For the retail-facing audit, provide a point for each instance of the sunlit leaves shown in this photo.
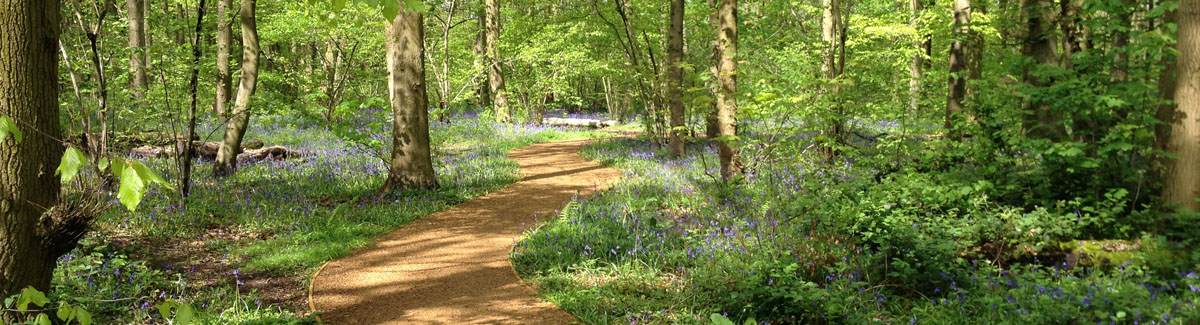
(7, 126)
(134, 178)
(183, 312)
(72, 161)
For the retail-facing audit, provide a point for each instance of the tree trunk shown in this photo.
(29, 96)
(185, 176)
(916, 67)
(137, 48)
(495, 64)
(235, 128)
(224, 41)
(412, 165)
(1166, 92)
(675, 78)
(832, 39)
(1121, 41)
(727, 38)
(957, 87)
(1182, 185)
(484, 92)
(1039, 44)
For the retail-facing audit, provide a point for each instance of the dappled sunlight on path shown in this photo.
(452, 267)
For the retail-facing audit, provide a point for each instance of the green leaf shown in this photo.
(146, 173)
(118, 166)
(85, 318)
(417, 6)
(390, 9)
(31, 295)
(102, 164)
(7, 126)
(164, 309)
(42, 319)
(338, 5)
(64, 313)
(717, 319)
(72, 160)
(184, 314)
(132, 188)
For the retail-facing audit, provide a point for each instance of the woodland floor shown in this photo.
(453, 267)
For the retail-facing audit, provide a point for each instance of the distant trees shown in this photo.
(239, 118)
(28, 187)
(137, 47)
(411, 164)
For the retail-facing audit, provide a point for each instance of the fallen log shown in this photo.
(578, 122)
(251, 150)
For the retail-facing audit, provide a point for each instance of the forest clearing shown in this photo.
(599, 162)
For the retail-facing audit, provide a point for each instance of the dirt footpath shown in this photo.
(452, 267)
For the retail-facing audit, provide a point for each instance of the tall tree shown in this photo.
(1039, 44)
(484, 92)
(412, 164)
(1166, 90)
(917, 66)
(495, 64)
(185, 142)
(727, 38)
(1182, 185)
(137, 47)
(239, 119)
(957, 87)
(832, 39)
(29, 96)
(675, 77)
(224, 41)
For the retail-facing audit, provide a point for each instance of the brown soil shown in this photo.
(452, 267)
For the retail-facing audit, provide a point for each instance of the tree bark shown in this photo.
(185, 178)
(1039, 44)
(412, 164)
(224, 41)
(137, 48)
(239, 119)
(675, 78)
(29, 96)
(1166, 92)
(833, 39)
(957, 86)
(495, 64)
(727, 38)
(484, 92)
(917, 66)
(1182, 185)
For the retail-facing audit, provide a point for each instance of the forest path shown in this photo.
(452, 267)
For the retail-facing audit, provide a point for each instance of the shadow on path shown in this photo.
(452, 267)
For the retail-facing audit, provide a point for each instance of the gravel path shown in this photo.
(452, 267)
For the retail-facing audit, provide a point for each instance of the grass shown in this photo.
(803, 243)
(241, 249)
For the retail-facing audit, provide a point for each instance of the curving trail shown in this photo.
(452, 267)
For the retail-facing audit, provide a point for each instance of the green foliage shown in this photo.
(72, 161)
(7, 127)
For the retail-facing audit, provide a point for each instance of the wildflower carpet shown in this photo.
(452, 267)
